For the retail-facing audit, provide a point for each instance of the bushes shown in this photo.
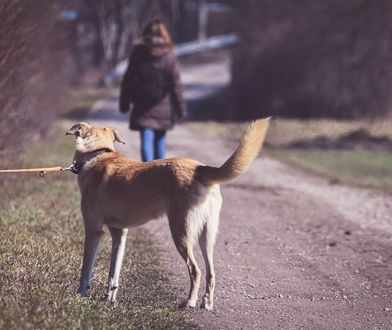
(313, 58)
(35, 68)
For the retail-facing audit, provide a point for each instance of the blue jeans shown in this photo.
(153, 144)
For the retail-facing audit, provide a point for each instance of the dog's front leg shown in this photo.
(91, 242)
(119, 237)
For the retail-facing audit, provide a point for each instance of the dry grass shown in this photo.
(358, 168)
(283, 131)
(40, 258)
(81, 101)
(368, 169)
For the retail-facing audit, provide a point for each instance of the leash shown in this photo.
(43, 170)
(75, 168)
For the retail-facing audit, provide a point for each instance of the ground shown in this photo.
(293, 250)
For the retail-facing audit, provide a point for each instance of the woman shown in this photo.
(152, 84)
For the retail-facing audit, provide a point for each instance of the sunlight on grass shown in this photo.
(283, 131)
(360, 168)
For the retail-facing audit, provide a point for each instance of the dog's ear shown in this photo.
(117, 136)
(75, 129)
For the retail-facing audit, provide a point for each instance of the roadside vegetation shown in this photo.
(364, 162)
(41, 253)
(81, 100)
(359, 168)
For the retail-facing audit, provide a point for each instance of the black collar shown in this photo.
(77, 166)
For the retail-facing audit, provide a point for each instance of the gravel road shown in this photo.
(293, 251)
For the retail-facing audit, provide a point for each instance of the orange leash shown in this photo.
(42, 170)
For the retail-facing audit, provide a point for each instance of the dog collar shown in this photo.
(77, 166)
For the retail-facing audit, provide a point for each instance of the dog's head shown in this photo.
(90, 138)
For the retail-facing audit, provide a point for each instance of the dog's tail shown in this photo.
(241, 159)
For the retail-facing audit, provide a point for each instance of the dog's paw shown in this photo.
(207, 303)
(112, 294)
(83, 290)
(187, 304)
(84, 293)
(110, 297)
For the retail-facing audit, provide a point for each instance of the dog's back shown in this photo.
(136, 192)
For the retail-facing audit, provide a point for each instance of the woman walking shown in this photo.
(152, 84)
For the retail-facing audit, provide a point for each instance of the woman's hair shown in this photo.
(156, 29)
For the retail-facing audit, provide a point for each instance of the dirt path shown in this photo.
(293, 251)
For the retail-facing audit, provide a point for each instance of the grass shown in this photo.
(353, 167)
(284, 131)
(81, 101)
(358, 168)
(370, 169)
(41, 242)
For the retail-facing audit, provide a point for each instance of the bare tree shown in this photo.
(109, 27)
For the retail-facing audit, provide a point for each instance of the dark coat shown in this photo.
(152, 84)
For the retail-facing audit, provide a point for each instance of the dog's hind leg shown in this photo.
(207, 241)
(119, 237)
(91, 242)
(184, 242)
(185, 247)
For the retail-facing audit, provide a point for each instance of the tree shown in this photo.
(108, 28)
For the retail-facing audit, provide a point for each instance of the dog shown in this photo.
(119, 193)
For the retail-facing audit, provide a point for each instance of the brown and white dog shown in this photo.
(120, 193)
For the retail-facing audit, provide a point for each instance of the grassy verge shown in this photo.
(41, 242)
(358, 168)
(354, 167)
(284, 131)
(81, 100)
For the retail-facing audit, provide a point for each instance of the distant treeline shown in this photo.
(312, 58)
